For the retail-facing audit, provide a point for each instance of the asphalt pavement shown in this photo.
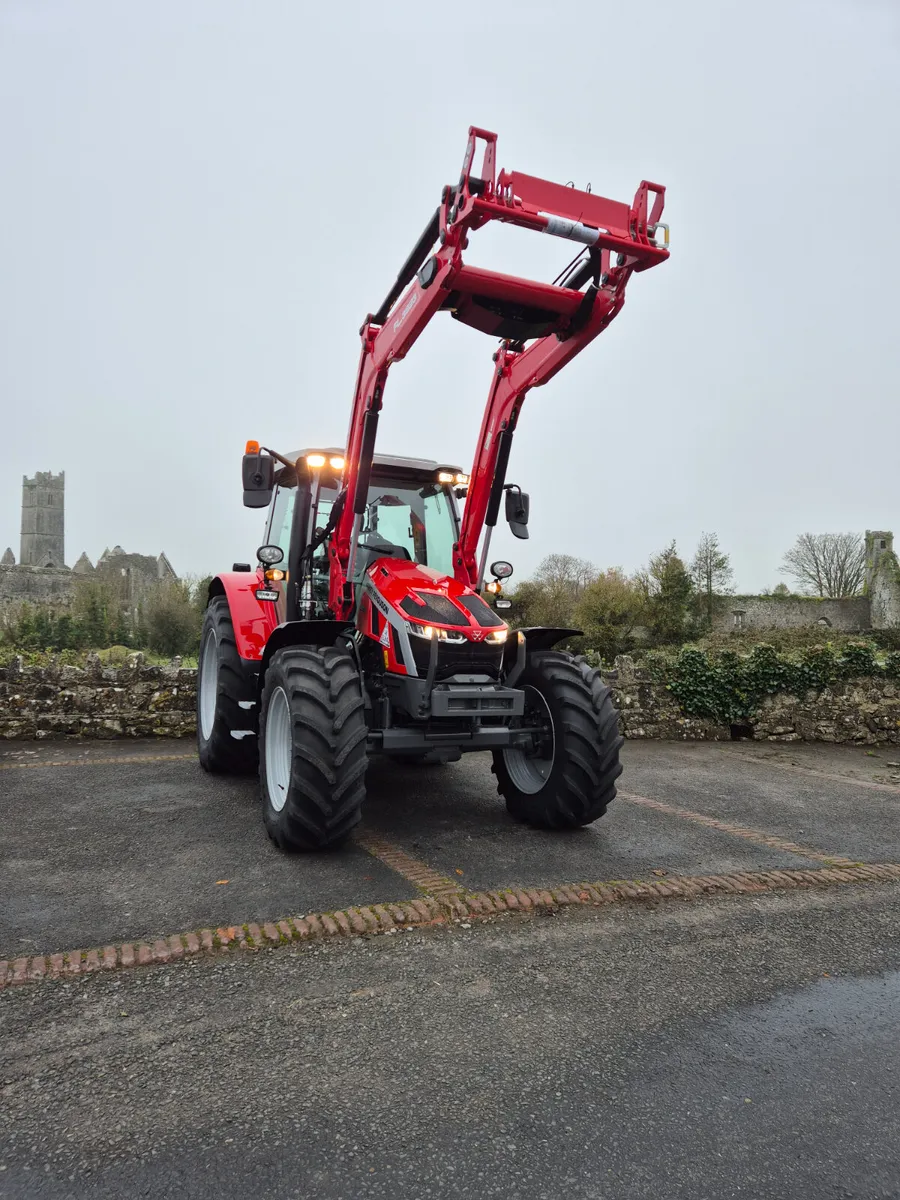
(134, 840)
(731, 1048)
(725, 1047)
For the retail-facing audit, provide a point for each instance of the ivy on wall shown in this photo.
(727, 687)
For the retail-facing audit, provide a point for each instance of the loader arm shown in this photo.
(558, 319)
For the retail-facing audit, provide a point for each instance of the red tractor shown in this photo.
(364, 627)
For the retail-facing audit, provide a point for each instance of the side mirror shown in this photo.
(258, 472)
(517, 505)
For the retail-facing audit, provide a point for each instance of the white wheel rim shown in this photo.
(278, 749)
(209, 684)
(528, 772)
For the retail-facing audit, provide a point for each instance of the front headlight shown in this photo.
(497, 638)
(433, 632)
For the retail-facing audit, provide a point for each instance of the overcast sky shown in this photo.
(200, 201)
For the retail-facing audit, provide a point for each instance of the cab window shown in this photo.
(279, 532)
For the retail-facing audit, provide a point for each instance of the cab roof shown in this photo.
(382, 460)
(384, 464)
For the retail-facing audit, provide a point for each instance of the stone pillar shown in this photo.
(43, 520)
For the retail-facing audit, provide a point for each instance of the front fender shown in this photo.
(254, 620)
(534, 637)
(543, 637)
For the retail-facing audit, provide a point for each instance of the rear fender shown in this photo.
(254, 620)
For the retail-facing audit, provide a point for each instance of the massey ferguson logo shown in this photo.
(477, 635)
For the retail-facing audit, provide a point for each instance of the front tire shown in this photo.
(312, 739)
(566, 778)
(222, 687)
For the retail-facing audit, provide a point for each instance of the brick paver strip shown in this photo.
(417, 872)
(97, 762)
(431, 910)
(743, 831)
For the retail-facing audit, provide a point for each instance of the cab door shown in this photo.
(278, 533)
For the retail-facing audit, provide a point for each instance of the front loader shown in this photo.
(365, 628)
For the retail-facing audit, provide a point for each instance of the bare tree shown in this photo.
(829, 565)
(711, 572)
(566, 571)
(551, 596)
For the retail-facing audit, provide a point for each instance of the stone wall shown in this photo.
(862, 711)
(46, 586)
(97, 702)
(144, 701)
(849, 615)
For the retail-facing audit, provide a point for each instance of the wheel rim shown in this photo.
(278, 749)
(530, 769)
(209, 684)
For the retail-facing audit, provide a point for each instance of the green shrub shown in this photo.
(725, 686)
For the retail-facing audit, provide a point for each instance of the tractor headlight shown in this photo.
(497, 637)
(433, 633)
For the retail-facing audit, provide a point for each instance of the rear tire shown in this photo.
(568, 779)
(222, 685)
(312, 739)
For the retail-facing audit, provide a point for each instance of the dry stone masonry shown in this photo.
(94, 701)
(139, 700)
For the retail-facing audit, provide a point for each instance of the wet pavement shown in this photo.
(739, 1047)
(744, 1047)
(133, 840)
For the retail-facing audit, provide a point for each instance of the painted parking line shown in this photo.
(760, 836)
(426, 911)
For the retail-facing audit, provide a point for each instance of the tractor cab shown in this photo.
(411, 515)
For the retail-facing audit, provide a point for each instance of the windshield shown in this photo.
(417, 523)
(403, 522)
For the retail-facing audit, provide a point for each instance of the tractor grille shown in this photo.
(458, 658)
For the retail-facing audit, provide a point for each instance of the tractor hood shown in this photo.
(424, 596)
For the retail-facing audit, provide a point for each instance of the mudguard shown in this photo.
(254, 620)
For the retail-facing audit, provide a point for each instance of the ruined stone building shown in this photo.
(41, 576)
(877, 608)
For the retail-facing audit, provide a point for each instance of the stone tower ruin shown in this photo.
(882, 579)
(43, 520)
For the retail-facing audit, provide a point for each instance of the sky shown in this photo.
(202, 200)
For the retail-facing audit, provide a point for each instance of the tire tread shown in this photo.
(329, 759)
(582, 784)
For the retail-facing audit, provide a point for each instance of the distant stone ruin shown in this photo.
(877, 608)
(41, 576)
